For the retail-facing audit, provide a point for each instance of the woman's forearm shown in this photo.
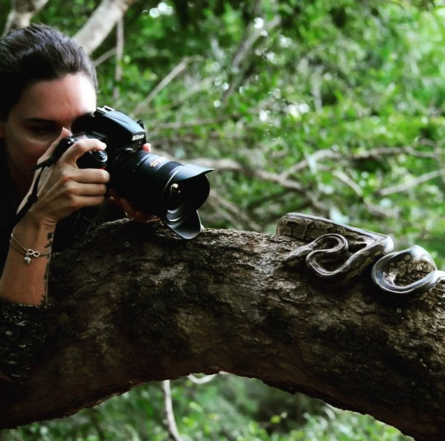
(23, 294)
(25, 276)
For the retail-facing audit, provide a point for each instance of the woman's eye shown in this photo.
(45, 130)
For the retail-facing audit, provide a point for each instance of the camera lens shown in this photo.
(168, 189)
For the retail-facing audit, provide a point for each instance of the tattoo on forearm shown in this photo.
(50, 240)
(46, 276)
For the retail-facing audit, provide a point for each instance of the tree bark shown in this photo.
(134, 303)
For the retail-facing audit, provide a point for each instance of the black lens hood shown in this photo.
(188, 225)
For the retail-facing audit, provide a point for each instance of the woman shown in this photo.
(47, 83)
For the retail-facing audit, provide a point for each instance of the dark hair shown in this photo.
(37, 53)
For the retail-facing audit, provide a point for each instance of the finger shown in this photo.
(92, 190)
(113, 195)
(74, 190)
(147, 147)
(80, 148)
(90, 201)
(91, 175)
(127, 207)
(60, 204)
(113, 201)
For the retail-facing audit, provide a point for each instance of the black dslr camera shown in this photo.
(152, 183)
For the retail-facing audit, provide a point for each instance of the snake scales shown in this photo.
(338, 254)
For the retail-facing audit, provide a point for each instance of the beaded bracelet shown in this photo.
(28, 252)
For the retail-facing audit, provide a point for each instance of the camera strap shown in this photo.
(32, 198)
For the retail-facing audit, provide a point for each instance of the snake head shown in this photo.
(393, 272)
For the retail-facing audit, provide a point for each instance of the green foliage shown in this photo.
(226, 409)
(335, 111)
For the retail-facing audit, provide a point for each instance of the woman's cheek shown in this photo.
(35, 151)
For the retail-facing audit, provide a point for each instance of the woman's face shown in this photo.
(43, 110)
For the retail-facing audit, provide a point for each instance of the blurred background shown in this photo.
(328, 108)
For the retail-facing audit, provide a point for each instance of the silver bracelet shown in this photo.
(28, 252)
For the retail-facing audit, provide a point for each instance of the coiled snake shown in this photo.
(338, 254)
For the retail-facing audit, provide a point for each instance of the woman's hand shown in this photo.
(126, 205)
(130, 211)
(64, 188)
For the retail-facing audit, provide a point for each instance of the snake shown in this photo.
(338, 254)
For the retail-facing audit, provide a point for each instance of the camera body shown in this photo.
(152, 183)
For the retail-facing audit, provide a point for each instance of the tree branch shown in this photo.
(400, 188)
(239, 65)
(232, 213)
(101, 22)
(169, 413)
(21, 13)
(146, 306)
(177, 70)
(378, 153)
(119, 56)
(204, 380)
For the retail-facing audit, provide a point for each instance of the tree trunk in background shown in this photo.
(134, 303)
(90, 36)
(21, 13)
(101, 22)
